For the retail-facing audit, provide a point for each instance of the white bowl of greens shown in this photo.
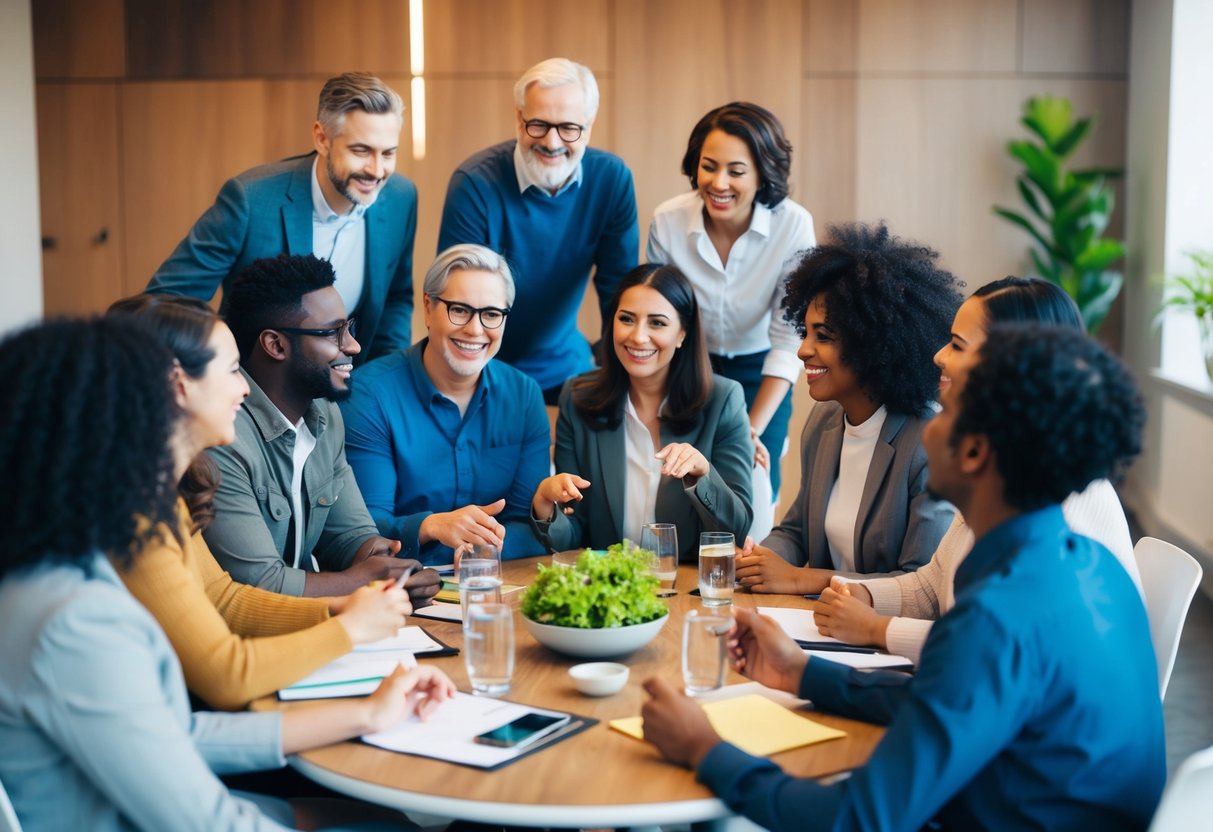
(605, 605)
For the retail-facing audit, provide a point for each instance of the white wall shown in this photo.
(1170, 485)
(20, 235)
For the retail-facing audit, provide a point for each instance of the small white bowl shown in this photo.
(599, 678)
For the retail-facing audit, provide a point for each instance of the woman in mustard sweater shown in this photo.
(235, 642)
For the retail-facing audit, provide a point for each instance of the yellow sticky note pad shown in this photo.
(753, 723)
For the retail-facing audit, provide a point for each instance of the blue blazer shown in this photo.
(718, 502)
(267, 211)
(898, 526)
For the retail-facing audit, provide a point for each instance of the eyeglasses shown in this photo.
(459, 314)
(337, 334)
(568, 131)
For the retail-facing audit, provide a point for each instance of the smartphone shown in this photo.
(524, 730)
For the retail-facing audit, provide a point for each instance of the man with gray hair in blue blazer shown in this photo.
(342, 202)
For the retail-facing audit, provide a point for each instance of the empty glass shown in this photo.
(488, 648)
(662, 540)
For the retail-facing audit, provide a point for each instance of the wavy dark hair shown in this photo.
(88, 416)
(889, 304)
(269, 294)
(184, 325)
(598, 396)
(763, 134)
(1029, 300)
(1059, 411)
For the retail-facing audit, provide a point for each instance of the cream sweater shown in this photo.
(915, 599)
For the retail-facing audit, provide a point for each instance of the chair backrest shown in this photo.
(1188, 801)
(8, 815)
(1169, 577)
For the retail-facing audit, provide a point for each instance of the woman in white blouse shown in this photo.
(897, 613)
(732, 235)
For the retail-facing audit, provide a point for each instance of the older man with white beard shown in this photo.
(448, 445)
(555, 209)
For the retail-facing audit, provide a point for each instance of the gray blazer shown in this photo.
(898, 526)
(718, 502)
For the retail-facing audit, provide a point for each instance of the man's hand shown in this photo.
(422, 585)
(372, 613)
(762, 651)
(849, 619)
(559, 490)
(470, 524)
(376, 547)
(759, 569)
(676, 724)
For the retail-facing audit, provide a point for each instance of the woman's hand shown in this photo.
(406, 693)
(372, 613)
(762, 457)
(759, 569)
(558, 490)
(681, 461)
(849, 619)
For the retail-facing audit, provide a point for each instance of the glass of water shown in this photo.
(662, 540)
(717, 555)
(703, 651)
(488, 648)
(479, 576)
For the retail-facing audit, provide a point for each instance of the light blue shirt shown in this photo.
(340, 239)
(95, 724)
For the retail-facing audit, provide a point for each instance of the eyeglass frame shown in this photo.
(337, 334)
(477, 311)
(547, 128)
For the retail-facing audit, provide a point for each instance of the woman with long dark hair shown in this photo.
(897, 613)
(650, 436)
(94, 716)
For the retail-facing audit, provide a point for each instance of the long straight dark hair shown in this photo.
(184, 325)
(598, 396)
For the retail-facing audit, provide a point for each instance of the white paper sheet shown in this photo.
(448, 733)
(354, 674)
(797, 623)
(440, 611)
(863, 661)
(413, 639)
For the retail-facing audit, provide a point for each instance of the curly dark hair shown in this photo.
(269, 294)
(1058, 410)
(598, 396)
(85, 444)
(763, 135)
(888, 302)
(184, 325)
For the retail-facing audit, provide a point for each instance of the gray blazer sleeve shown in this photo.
(564, 531)
(723, 498)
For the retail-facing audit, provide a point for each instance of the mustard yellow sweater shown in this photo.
(235, 642)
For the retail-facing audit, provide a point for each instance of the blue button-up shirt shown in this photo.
(413, 454)
(1036, 706)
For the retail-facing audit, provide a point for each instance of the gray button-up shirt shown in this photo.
(253, 503)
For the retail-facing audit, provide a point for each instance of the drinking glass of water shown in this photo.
(703, 651)
(479, 576)
(717, 554)
(662, 540)
(488, 648)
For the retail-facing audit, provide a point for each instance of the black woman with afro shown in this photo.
(872, 310)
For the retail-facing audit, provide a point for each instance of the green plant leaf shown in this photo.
(1029, 196)
(1065, 145)
(1051, 271)
(1024, 223)
(1048, 117)
(1042, 167)
(1098, 291)
(1099, 255)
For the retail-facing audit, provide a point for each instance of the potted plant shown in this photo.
(1067, 210)
(1194, 293)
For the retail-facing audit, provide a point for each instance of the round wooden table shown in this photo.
(598, 778)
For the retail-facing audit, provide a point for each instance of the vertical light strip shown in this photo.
(417, 68)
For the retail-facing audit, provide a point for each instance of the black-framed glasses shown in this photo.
(538, 128)
(459, 314)
(337, 334)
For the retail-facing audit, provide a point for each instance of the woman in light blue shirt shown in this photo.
(94, 714)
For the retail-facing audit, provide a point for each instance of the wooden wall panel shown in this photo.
(367, 35)
(78, 39)
(181, 141)
(831, 36)
(827, 155)
(677, 59)
(931, 160)
(482, 37)
(80, 196)
(964, 36)
(1078, 36)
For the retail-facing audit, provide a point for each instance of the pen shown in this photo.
(338, 682)
(833, 647)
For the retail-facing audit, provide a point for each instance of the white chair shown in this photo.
(1169, 577)
(1188, 801)
(8, 816)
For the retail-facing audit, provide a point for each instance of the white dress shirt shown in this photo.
(340, 239)
(643, 473)
(842, 509)
(740, 303)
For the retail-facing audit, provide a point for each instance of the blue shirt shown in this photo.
(1036, 706)
(551, 243)
(413, 454)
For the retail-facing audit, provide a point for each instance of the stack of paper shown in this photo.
(358, 673)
